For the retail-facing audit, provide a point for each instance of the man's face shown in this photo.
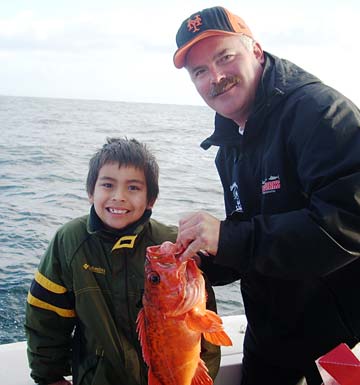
(226, 74)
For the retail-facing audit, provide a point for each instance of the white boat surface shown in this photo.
(15, 371)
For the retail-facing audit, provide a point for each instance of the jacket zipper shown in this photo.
(133, 337)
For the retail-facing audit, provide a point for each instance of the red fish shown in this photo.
(173, 318)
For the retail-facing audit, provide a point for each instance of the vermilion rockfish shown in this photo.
(173, 318)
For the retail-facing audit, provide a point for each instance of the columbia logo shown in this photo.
(98, 270)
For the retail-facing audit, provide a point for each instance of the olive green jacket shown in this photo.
(84, 300)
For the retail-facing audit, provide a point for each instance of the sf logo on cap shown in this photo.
(193, 24)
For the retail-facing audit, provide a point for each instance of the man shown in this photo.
(289, 163)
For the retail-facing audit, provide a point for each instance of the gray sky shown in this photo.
(117, 50)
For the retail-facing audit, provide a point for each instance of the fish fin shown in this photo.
(201, 376)
(218, 338)
(140, 328)
(203, 322)
(210, 324)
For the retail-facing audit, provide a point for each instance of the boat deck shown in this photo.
(14, 367)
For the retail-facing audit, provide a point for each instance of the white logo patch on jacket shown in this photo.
(235, 192)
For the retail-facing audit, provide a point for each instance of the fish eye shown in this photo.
(154, 278)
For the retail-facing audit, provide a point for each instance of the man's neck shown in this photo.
(241, 122)
(240, 118)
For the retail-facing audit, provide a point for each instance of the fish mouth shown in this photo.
(224, 85)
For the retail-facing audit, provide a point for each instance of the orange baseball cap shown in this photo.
(208, 22)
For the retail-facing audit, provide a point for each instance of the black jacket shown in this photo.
(292, 198)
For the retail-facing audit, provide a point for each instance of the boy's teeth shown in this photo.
(116, 211)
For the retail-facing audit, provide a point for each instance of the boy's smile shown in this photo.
(120, 195)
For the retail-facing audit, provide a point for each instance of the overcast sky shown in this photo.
(122, 50)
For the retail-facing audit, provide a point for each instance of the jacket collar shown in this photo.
(96, 226)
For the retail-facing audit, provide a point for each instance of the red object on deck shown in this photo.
(339, 367)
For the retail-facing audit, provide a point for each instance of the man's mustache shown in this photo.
(223, 85)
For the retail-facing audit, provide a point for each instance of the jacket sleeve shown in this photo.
(323, 148)
(218, 275)
(50, 318)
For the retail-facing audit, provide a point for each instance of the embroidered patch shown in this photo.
(98, 270)
(235, 193)
(271, 184)
(194, 23)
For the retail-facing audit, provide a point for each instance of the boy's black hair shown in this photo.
(125, 152)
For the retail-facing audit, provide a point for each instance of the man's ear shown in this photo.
(259, 53)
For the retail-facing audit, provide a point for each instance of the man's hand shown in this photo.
(198, 232)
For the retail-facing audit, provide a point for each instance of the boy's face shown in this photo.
(120, 195)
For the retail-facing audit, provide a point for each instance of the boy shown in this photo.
(83, 303)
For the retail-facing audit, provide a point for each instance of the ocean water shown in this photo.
(45, 146)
